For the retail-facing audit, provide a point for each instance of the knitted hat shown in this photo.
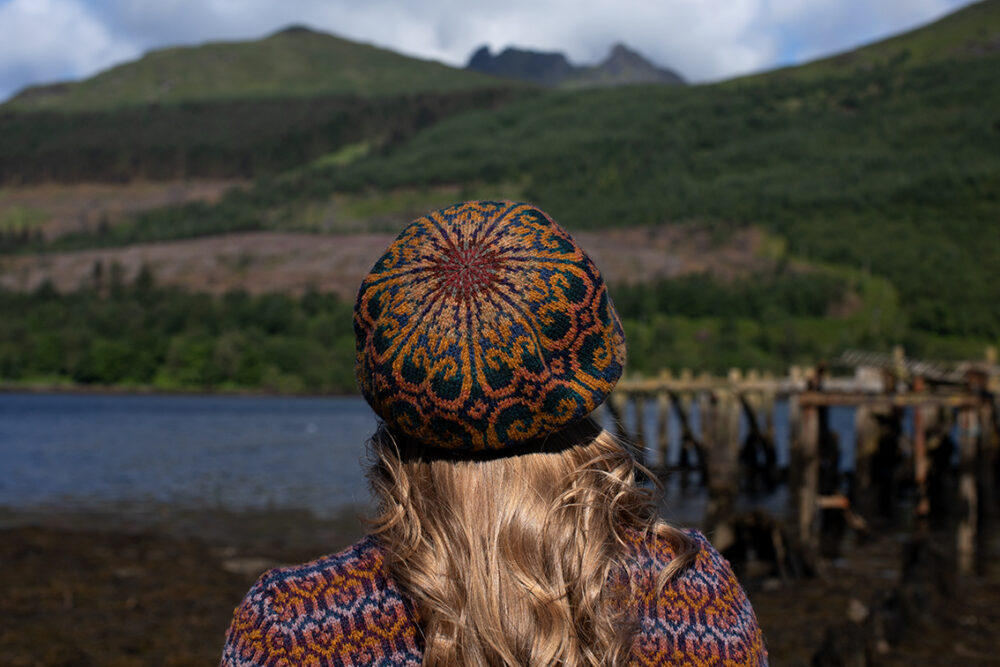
(484, 325)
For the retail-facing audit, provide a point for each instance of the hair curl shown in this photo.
(508, 559)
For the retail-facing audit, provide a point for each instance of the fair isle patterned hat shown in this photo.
(483, 326)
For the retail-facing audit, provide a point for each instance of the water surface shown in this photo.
(115, 453)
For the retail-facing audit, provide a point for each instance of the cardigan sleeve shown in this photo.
(256, 636)
(703, 617)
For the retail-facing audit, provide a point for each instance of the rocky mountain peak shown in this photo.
(622, 66)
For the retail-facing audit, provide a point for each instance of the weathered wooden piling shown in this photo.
(758, 455)
(616, 406)
(639, 411)
(882, 389)
(865, 446)
(921, 463)
(690, 445)
(663, 430)
(965, 534)
(806, 464)
(794, 436)
(723, 465)
(706, 417)
(986, 468)
(768, 401)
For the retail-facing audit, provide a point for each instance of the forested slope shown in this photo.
(894, 171)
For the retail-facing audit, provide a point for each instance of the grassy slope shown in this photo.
(966, 34)
(224, 138)
(294, 62)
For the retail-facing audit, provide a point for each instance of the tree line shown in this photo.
(112, 332)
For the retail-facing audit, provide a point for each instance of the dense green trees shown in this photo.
(779, 294)
(237, 138)
(140, 334)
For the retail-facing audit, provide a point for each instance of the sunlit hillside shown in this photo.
(296, 62)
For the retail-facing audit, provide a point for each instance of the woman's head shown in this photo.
(483, 326)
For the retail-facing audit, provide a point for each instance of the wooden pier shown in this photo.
(952, 409)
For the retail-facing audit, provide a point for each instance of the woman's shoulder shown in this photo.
(341, 608)
(362, 560)
(700, 616)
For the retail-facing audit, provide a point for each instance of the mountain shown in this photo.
(295, 62)
(623, 66)
(546, 69)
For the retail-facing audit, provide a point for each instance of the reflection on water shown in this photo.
(101, 452)
(841, 422)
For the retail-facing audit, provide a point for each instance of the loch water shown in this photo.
(103, 452)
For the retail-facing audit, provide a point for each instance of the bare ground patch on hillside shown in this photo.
(84, 207)
(286, 262)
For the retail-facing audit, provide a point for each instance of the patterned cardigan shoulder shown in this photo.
(343, 610)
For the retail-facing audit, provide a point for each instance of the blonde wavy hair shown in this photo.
(514, 559)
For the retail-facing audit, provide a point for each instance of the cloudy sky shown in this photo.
(51, 40)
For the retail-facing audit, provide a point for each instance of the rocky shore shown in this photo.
(78, 590)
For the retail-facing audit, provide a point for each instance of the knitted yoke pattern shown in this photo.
(344, 610)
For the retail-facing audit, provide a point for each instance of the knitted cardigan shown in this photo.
(344, 610)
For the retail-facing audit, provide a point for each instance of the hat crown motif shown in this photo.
(465, 270)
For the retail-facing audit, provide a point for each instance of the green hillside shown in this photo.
(296, 62)
(234, 138)
(968, 33)
(879, 186)
(892, 171)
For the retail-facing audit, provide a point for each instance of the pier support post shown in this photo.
(616, 404)
(663, 431)
(986, 482)
(805, 463)
(706, 417)
(689, 445)
(794, 438)
(865, 446)
(639, 404)
(921, 463)
(966, 533)
(768, 402)
(723, 475)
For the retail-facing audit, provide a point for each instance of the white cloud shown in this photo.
(46, 40)
(702, 39)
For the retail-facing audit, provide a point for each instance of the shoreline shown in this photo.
(150, 390)
(278, 533)
(104, 588)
